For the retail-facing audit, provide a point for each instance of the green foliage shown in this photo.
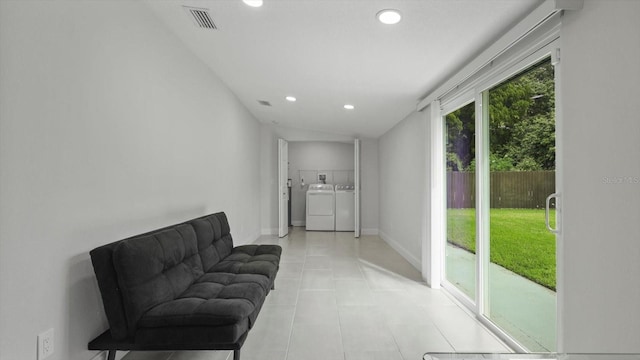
(461, 138)
(521, 125)
(495, 163)
(528, 164)
(537, 136)
(453, 162)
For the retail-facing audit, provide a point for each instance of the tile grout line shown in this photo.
(295, 306)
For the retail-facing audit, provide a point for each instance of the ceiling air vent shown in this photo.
(201, 17)
(264, 102)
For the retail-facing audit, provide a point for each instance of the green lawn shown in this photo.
(520, 241)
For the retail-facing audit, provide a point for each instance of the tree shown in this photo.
(526, 104)
(537, 143)
(521, 125)
(461, 138)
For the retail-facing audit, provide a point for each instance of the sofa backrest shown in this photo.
(155, 268)
(214, 238)
(140, 272)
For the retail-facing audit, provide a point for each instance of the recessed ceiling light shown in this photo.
(290, 98)
(389, 16)
(349, 107)
(253, 3)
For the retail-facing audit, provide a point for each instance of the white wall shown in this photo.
(108, 127)
(601, 167)
(403, 177)
(599, 149)
(269, 173)
(306, 160)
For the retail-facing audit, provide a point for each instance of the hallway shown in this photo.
(341, 298)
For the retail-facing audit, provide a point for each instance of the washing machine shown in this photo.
(321, 207)
(345, 205)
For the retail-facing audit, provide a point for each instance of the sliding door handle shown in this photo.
(547, 212)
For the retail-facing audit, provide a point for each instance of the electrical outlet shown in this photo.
(45, 344)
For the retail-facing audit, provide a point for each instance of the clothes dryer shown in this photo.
(345, 205)
(320, 207)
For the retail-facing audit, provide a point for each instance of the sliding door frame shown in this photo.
(547, 46)
(550, 50)
(446, 108)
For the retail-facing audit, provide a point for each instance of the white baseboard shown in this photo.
(303, 223)
(369, 231)
(401, 250)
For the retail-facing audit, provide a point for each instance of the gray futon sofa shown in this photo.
(182, 287)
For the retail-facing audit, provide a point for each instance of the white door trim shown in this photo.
(283, 190)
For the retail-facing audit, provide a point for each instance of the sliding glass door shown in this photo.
(500, 152)
(521, 276)
(460, 246)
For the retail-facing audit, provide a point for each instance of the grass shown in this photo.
(519, 241)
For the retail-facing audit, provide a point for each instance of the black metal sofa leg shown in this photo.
(236, 354)
(112, 355)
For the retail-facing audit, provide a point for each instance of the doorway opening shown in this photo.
(304, 166)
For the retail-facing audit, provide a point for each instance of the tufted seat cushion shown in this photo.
(219, 307)
(215, 299)
(219, 255)
(251, 259)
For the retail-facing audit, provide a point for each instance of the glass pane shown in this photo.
(460, 260)
(522, 275)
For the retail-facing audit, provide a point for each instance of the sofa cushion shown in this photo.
(214, 238)
(251, 259)
(213, 300)
(156, 268)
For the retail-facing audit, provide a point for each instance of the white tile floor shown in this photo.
(340, 298)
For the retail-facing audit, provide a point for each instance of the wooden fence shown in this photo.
(509, 189)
